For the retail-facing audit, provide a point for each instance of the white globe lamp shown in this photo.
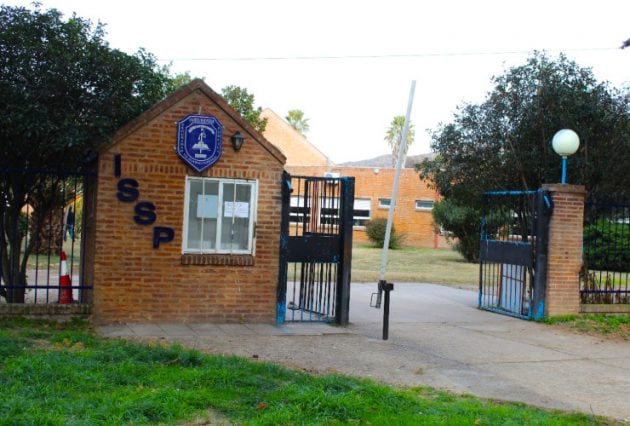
(565, 142)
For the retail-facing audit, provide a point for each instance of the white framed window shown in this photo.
(219, 215)
(424, 204)
(384, 203)
(361, 212)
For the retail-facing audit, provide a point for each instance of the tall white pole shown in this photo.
(399, 164)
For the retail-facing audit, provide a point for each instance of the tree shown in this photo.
(64, 91)
(394, 136)
(296, 119)
(505, 142)
(243, 102)
(178, 80)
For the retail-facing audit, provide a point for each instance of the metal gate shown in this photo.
(315, 249)
(513, 252)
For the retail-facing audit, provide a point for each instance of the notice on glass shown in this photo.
(207, 206)
(236, 209)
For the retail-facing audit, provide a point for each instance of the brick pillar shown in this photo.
(562, 295)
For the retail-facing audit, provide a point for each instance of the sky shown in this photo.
(349, 64)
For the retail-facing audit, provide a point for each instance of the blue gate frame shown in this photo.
(513, 252)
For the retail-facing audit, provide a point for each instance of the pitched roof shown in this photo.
(180, 94)
(297, 149)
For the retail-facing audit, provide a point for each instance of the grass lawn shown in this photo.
(57, 374)
(438, 266)
(615, 326)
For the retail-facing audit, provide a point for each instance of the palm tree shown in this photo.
(296, 119)
(394, 135)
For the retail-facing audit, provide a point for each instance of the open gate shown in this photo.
(513, 252)
(315, 249)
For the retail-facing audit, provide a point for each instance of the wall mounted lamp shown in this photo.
(237, 141)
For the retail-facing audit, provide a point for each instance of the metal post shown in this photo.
(399, 164)
(564, 169)
(281, 292)
(544, 209)
(386, 287)
(382, 285)
(345, 264)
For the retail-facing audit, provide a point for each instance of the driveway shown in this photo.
(437, 338)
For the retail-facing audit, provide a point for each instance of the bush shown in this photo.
(463, 224)
(607, 246)
(375, 230)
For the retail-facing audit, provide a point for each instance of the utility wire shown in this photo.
(388, 56)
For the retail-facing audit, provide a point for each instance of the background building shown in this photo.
(373, 186)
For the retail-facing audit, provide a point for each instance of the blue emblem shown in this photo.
(199, 140)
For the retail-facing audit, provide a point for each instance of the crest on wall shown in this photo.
(199, 140)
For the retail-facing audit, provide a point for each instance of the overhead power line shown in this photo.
(383, 56)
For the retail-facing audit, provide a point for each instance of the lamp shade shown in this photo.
(237, 141)
(565, 142)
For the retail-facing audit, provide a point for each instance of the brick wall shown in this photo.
(374, 183)
(565, 250)
(135, 282)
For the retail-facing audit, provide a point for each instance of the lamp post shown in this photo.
(565, 142)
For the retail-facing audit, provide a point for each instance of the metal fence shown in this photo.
(41, 223)
(605, 276)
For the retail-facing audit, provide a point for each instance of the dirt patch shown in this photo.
(620, 335)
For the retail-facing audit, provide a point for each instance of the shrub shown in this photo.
(463, 224)
(607, 246)
(375, 230)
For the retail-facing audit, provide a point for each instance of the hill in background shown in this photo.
(386, 161)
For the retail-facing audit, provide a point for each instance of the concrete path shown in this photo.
(439, 338)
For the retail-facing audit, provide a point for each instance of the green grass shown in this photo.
(606, 324)
(439, 266)
(63, 374)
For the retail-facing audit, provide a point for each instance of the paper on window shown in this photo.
(207, 206)
(236, 209)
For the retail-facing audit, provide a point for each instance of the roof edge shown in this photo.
(289, 126)
(180, 94)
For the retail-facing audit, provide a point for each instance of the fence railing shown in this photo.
(41, 216)
(605, 276)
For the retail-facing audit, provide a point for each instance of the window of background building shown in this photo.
(219, 215)
(384, 203)
(361, 212)
(424, 204)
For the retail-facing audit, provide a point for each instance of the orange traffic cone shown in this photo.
(65, 284)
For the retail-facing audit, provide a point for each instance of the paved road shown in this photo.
(438, 338)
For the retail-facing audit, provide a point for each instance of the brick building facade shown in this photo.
(373, 187)
(153, 259)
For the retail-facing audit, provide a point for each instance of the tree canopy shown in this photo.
(243, 102)
(296, 119)
(63, 89)
(393, 136)
(505, 141)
